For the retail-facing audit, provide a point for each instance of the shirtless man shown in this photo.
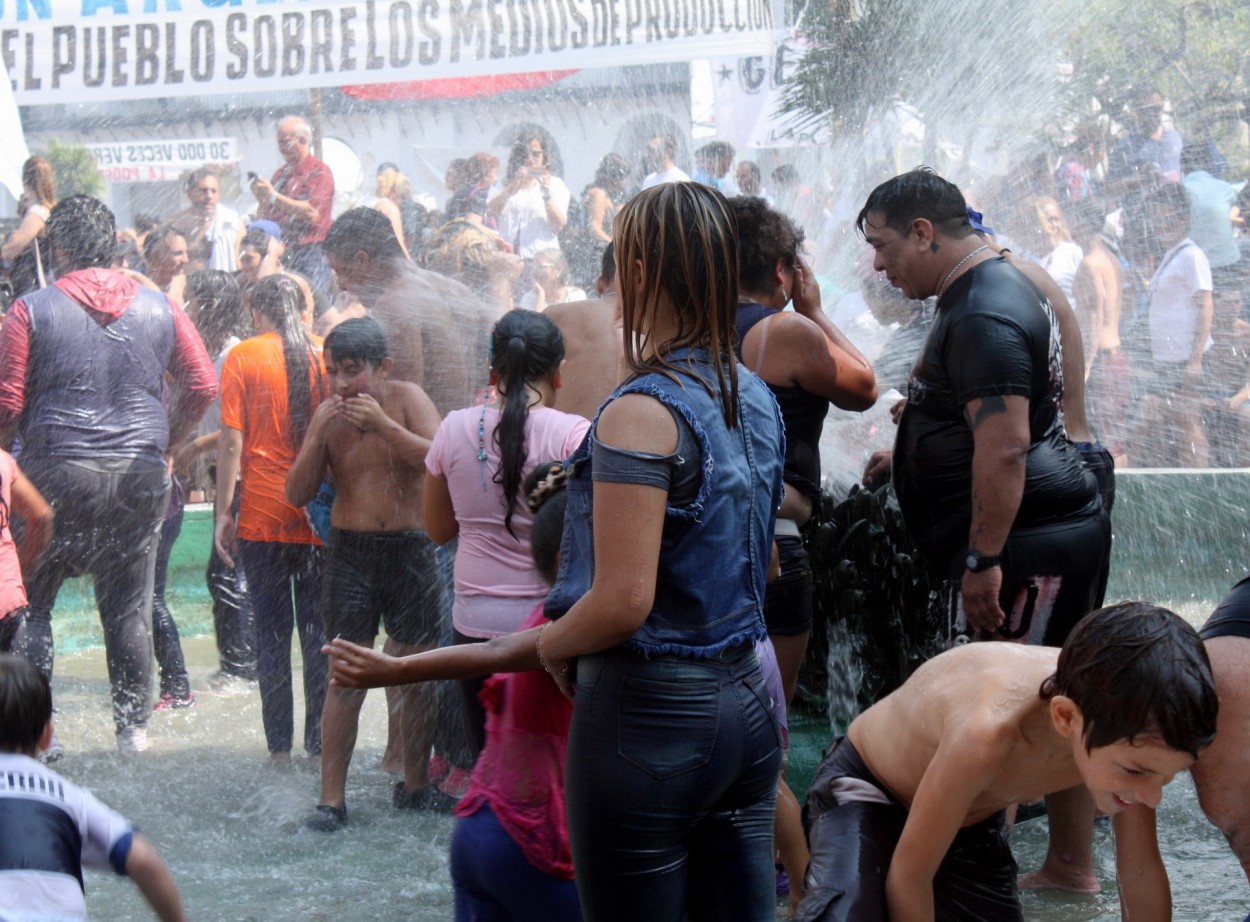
(438, 329)
(1220, 775)
(594, 355)
(907, 813)
(1097, 290)
(371, 438)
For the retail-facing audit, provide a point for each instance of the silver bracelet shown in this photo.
(542, 660)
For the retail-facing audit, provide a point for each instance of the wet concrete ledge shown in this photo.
(1181, 538)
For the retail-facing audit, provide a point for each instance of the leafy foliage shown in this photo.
(1022, 69)
(75, 169)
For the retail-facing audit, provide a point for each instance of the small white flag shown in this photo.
(13, 150)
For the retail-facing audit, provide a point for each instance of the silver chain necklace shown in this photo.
(958, 265)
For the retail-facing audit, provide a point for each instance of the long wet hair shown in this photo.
(37, 176)
(221, 313)
(686, 239)
(526, 349)
(278, 299)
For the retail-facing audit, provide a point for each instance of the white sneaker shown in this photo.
(54, 753)
(132, 739)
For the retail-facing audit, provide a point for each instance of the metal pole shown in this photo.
(314, 119)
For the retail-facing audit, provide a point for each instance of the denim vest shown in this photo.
(714, 552)
(95, 389)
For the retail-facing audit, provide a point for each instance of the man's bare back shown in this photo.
(378, 487)
(439, 333)
(977, 704)
(594, 361)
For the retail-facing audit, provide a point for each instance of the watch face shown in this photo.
(972, 561)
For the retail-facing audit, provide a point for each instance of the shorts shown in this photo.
(1051, 578)
(852, 836)
(392, 577)
(1165, 378)
(1231, 617)
(1109, 398)
(1227, 280)
(788, 598)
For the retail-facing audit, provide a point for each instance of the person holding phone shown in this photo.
(299, 199)
(532, 204)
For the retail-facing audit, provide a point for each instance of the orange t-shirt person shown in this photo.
(254, 401)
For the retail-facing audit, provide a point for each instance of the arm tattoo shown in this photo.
(990, 406)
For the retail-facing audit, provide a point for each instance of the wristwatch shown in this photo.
(979, 563)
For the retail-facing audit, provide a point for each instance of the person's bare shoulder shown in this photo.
(578, 317)
(415, 408)
(979, 675)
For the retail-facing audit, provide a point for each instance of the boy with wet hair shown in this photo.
(50, 828)
(371, 438)
(907, 815)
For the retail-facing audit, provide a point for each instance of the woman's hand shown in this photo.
(806, 293)
(540, 298)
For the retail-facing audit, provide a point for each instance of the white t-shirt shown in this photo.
(496, 581)
(1062, 263)
(659, 177)
(523, 221)
(39, 874)
(222, 234)
(1173, 312)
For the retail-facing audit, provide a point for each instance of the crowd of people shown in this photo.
(580, 521)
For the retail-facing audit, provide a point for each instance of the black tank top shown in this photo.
(802, 412)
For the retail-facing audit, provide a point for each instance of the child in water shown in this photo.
(50, 828)
(907, 813)
(510, 854)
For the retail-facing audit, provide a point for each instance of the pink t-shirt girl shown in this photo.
(496, 583)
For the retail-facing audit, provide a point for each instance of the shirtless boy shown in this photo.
(371, 439)
(907, 813)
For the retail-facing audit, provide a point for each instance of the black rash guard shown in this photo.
(994, 334)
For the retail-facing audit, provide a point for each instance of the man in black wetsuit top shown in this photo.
(990, 487)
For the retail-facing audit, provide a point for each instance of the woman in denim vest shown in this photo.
(673, 751)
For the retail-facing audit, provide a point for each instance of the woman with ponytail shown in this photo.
(475, 468)
(270, 386)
